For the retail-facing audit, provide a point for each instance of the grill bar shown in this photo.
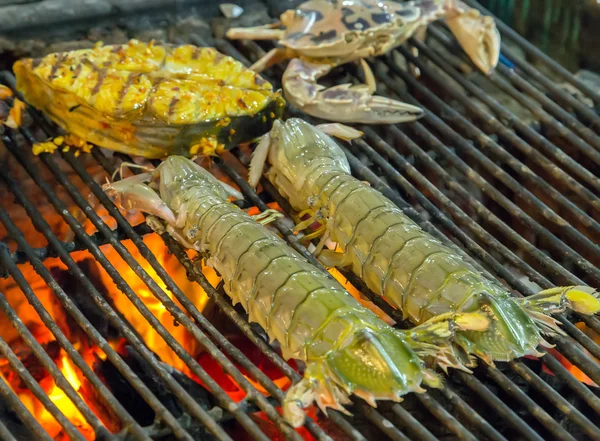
(538, 54)
(566, 118)
(411, 425)
(537, 111)
(191, 405)
(558, 223)
(47, 252)
(480, 240)
(472, 417)
(509, 120)
(542, 416)
(39, 351)
(5, 433)
(558, 401)
(39, 393)
(445, 418)
(131, 337)
(576, 386)
(508, 415)
(453, 116)
(19, 408)
(481, 183)
(8, 264)
(141, 388)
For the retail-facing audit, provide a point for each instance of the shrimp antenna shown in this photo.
(129, 165)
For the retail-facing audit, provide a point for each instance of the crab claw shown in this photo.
(343, 103)
(134, 194)
(477, 34)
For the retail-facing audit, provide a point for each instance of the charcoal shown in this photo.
(80, 296)
(14, 424)
(136, 405)
(30, 361)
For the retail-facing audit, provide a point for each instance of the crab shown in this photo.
(320, 35)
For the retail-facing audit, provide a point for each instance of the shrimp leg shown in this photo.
(346, 347)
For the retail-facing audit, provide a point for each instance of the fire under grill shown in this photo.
(503, 168)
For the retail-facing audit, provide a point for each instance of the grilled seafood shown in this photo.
(322, 34)
(346, 347)
(151, 100)
(409, 268)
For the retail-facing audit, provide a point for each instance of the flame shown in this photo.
(192, 290)
(58, 397)
(129, 312)
(360, 297)
(105, 284)
(574, 370)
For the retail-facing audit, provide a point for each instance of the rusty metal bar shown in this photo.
(39, 351)
(19, 408)
(533, 408)
(5, 261)
(536, 53)
(558, 222)
(445, 418)
(5, 434)
(508, 415)
(471, 415)
(558, 401)
(185, 398)
(490, 190)
(38, 392)
(511, 121)
(412, 425)
(575, 385)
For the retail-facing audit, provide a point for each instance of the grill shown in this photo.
(520, 197)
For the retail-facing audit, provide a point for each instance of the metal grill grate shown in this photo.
(512, 194)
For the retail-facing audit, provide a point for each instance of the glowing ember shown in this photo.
(33, 322)
(574, 370)
(192, 290)
(58, 397)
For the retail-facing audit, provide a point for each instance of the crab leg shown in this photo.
(369, 77)
(266, 32)
(343, 103)
(274, 56)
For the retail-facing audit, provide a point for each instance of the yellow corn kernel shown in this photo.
(43, 147)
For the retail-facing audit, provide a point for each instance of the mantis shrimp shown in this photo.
(409, 268)
(346, 347)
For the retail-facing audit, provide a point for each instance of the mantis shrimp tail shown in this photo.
(582, 299)
(380, 365)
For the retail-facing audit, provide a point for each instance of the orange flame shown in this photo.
(130, 313)
(574, 370)
(192, 290)
(33, 322)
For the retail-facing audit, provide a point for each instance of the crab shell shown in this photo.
(150, 99)
(322, 28)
